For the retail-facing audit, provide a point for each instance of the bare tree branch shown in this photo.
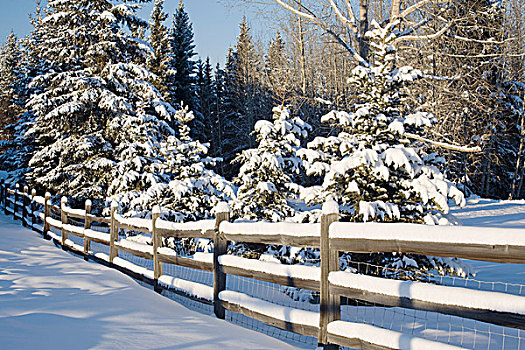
(424, 37)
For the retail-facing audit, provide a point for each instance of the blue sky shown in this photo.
(215, 25)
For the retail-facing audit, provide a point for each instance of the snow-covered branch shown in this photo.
(449, 146)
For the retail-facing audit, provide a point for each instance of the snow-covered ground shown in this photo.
(492, 213)
(50, 299)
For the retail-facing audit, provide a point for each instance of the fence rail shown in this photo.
(330, 236)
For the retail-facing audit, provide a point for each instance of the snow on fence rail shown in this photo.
(505, 245)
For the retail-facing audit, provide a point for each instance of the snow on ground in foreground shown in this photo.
(493, 213)
(50, 299)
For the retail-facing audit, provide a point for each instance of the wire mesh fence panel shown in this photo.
(189, 274)
(98, 248)
(136, 260)
(250, 323)
(467, 333)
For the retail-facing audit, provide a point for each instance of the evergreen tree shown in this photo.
(182, 85)
(245, 98)
(93, 90)
(370, 167)
(265, 179)
(159, 41)
(21, 148)
(277, 70)
(192, 190)
(11, 78)
(205, 93)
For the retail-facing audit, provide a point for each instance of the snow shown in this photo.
(445, 295)
(54, 222)
(39, 200)
(202, 225)
(198, 290)
(271, 228)
(97, 235)
(296, 271)
(308, 318)
(330, 207)
(140, 224)
(425, 233)
(71, 211)
(491, 213)
(222, 207)
(73, 229)
(45, 291)
(198, 256)
(383, 337)
(494, 214)
(126, 243)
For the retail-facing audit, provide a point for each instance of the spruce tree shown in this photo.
(277, 70)
(181, 47)
(205, 96)
(11, 88)
(20, 150)
(92, 91)
(192, 189)
(159, 41)
(371, 167)
(245, 98)
(265, 178)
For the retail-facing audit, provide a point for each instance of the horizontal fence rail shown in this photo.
(330, 236)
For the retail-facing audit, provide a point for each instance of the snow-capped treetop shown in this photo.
(190, 190)
(265, 179)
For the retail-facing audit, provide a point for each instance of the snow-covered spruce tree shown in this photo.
(93, 89)
(139, 160)
(370, 167)
(192, 190)
(265, 178)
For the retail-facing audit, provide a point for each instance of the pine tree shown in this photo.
(277, 70)
(370, 167)
(92, 91)
(205, 96)
(192, 190)
(265, 179)
(20, 150)
(159, 41)
(11, 86)
(181, 47)
(182, 85)
(245, 98)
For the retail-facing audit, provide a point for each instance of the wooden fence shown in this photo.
(330, 236)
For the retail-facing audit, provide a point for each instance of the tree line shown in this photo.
(99, 103)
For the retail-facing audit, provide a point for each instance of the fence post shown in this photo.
(5, 195)
(24, 206)
(32, 205)
(220, 247)
(87, 226)
(15, 204)
(113, 233)
(63, 219)
(47, 213)
(2, 193)
(157, 265)
(330, 308)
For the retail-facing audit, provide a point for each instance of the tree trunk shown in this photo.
(363, 28)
